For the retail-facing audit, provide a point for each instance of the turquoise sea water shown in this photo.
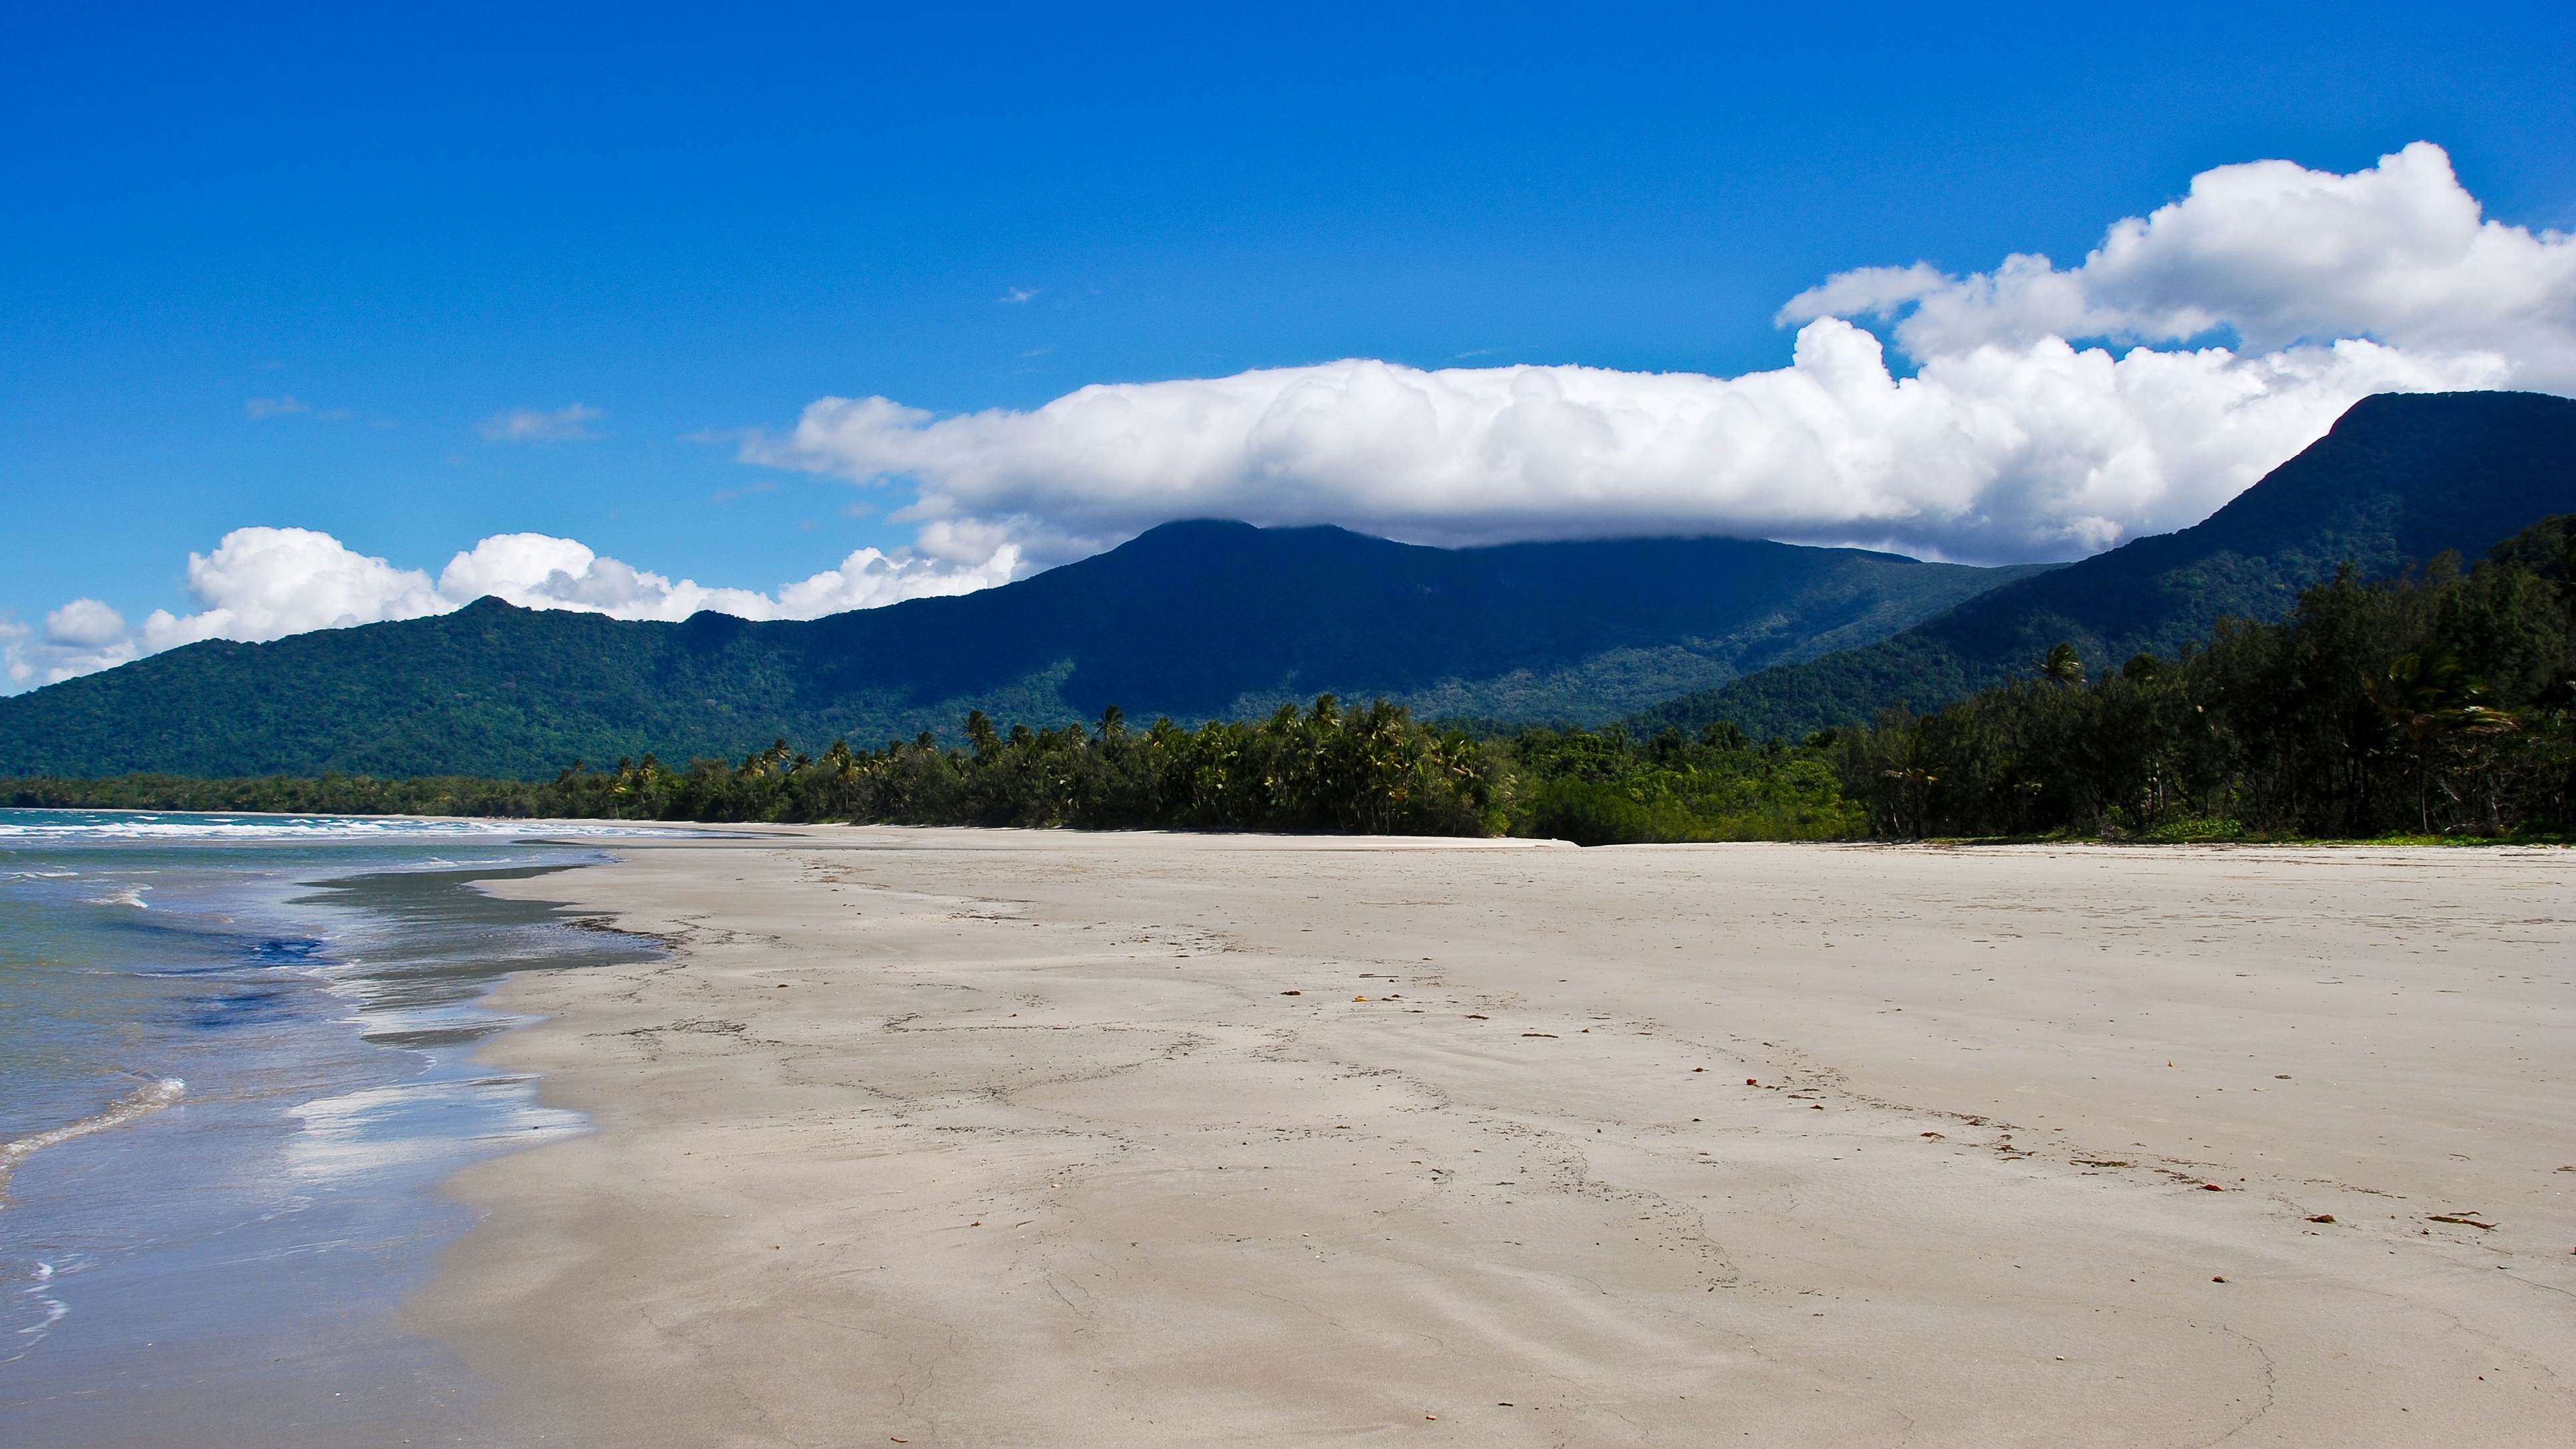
(235, 1062)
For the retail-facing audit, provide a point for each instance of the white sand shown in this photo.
(1032, 1149)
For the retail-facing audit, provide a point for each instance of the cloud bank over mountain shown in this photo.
(2035, 451)
(2035, 412)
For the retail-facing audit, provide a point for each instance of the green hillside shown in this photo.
(1194, 620)
(2399, 479)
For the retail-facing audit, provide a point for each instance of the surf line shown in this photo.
(142, 1102)
(55, 1310)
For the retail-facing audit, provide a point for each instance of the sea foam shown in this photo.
(70, 825)
(141, 1102)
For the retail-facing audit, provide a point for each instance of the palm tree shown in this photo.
(981, 736)
(839, 767)
(2431, 699)
(2062, 665)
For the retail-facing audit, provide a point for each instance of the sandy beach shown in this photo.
(993, 1138)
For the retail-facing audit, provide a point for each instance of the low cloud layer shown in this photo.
(2037, 451)
(2032, 412)
(2049, 412)
(266, 583)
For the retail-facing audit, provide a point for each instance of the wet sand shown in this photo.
(990, 1138)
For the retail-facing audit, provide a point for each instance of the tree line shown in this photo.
(2441, 704)
(1323, 768)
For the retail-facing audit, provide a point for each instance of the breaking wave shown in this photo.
(144, 825)
(142, 1102)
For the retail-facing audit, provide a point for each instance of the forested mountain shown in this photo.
(1194, 620)
(2400, 479)
(1221, 620)
(2439, 705)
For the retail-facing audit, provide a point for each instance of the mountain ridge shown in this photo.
(2400, 478)
(1196, 619)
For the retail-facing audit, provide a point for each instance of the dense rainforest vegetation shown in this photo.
(2442, 703)
(2399, 480)
(2438, 704)
(1222, 621)
(1319, 769)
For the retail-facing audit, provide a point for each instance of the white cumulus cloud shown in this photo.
(2035, 411)
(263, 583)
(81, 637)
(84, 624)
(266, 583)
(2039, 417)
(536, 571)
(2275, 253)
(2041, 450)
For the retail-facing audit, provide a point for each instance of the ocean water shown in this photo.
(236, 1061)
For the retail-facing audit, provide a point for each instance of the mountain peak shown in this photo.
(1199, 619)
(2399, 478)
(2414, 410)
(1192, 528)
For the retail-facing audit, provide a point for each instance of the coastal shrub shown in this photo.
(2188, 830)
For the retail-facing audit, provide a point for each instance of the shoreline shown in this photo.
(222, 1250)
(1065, 1139)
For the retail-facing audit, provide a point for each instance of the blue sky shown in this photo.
(411, 225)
